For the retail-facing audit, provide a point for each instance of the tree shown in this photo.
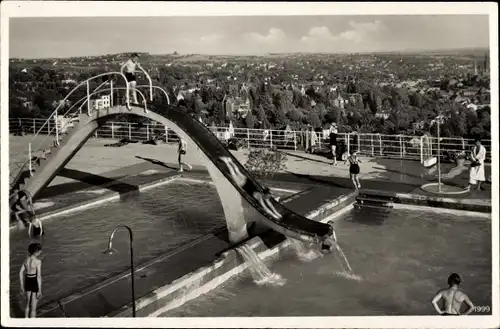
(249, 120)
(261, 115)
(313, 119)
(294, 115)
(320, 109)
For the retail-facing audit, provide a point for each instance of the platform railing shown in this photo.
(373, 145)
(27, 152)
(69, 115)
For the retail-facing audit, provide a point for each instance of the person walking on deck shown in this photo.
(354, 169)
(181, 152)
(333, 142)
(476, 174)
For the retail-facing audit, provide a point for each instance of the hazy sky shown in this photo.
(64, 37)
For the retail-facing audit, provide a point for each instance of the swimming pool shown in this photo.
(162, 219)
(403, 256)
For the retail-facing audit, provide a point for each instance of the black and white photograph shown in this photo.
(249, 164)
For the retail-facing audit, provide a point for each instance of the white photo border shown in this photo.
(11, 9)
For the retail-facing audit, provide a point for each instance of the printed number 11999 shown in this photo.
(482, 309)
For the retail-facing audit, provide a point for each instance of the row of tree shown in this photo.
(273, 106)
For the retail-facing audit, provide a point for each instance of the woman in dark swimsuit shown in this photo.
(249, 187)
(36, 229)
(354, 168)
(30, 276)
(333, 143)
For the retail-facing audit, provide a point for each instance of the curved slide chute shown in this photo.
(211, 150)
(291, 224)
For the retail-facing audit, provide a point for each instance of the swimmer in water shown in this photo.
(30, 276)
(264, 197)
(453, 298)
(35, 229)
(330, 242)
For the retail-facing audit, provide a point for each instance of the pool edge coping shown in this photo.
(333, 208)
(474, 205)
(107, 197)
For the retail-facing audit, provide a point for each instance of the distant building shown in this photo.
(102, 103)
(382, 114)
(339, 102)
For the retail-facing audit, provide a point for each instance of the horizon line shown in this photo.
(266, 54)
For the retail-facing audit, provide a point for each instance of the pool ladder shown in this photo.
(364, 201)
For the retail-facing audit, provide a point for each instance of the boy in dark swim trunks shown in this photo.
(30, 276)
(129, 70)
(247, 185)
(453, 298)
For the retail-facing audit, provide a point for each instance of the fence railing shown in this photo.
(375, 145)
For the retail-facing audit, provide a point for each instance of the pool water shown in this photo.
(162, 219)
(403, 257)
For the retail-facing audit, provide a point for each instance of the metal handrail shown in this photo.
(86, 98)
(156, 87)
(150, 83)
(20, 168)
(70, 93)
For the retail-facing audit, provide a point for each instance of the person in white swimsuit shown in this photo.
(181, 152)
(129, 70)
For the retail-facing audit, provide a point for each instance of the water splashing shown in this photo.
(347, 271)
(304, 253)
(260, 273)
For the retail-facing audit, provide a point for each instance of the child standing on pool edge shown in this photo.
(182, 151)
(30, 276)
(354, 168)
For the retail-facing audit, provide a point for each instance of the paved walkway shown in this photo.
(95, 158)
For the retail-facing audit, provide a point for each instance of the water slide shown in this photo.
(291, 223)
(45, 169)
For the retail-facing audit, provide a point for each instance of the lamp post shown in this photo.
(438, 122)
(110, 251)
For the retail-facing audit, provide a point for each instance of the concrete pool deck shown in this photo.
(97, 165)
(100, 172)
